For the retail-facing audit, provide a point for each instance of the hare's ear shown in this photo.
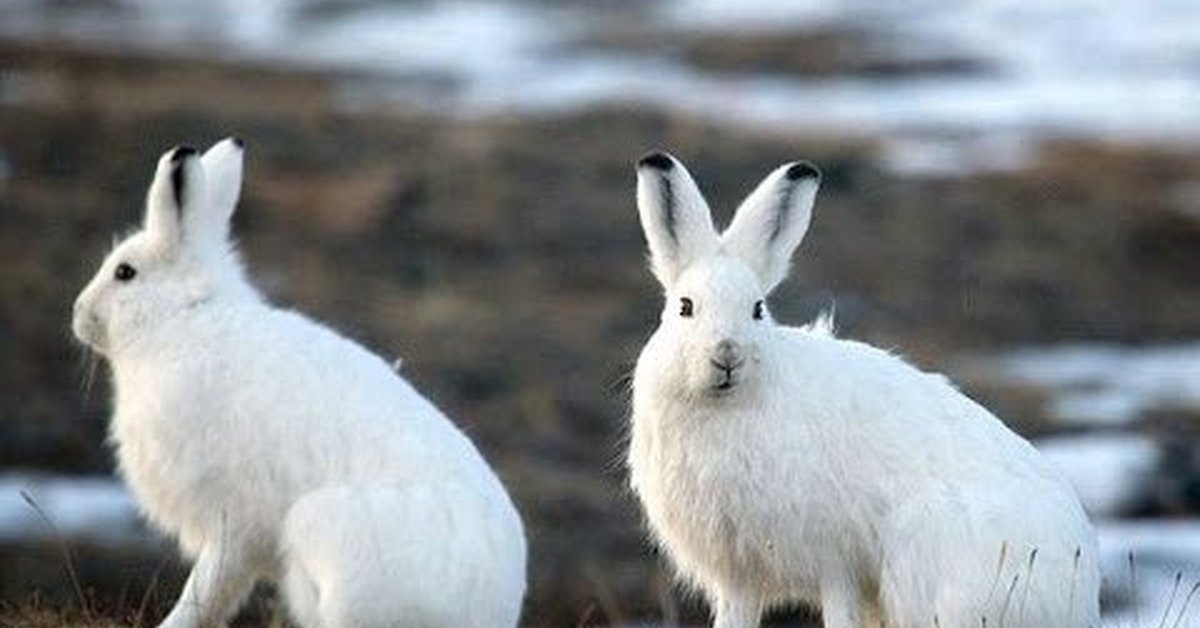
(222, 166)
(177, 189)
(771, 222)
(675, 218)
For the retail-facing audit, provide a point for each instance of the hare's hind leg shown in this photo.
(933, 572)
(366, 556)
(979, 558)
(844, 603)
(299, 589)
(358, 556)
(736, 611)
(220, 580)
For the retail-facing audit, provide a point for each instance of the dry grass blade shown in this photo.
(1008, 599)
(1137, 616)
(1187, 602)
(150, 589)
(65, 551)
(1074, 581)
(999, 571)
(1171, 600)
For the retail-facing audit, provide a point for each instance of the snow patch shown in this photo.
(1089, 67)
(1160, 551)
(99, 509)
(1104, 384)
(940, 156)
(1109, 471)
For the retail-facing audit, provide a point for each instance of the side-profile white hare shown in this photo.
(781, 464)
(275, 449)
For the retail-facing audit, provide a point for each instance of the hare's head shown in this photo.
(715, 324)
(181, 257)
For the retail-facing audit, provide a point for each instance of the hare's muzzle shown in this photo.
(86, 326)
(726, 358)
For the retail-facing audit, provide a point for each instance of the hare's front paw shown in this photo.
(183, 616)
(178, 619)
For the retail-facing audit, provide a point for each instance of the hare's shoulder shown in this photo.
(815, 347)
(267, 332)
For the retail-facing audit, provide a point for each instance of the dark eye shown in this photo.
(124, 272)
(758, 310)
(686, 307)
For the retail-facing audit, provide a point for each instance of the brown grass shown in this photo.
(502, 259)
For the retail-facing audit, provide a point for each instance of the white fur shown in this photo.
(827, 471)
(273, 448)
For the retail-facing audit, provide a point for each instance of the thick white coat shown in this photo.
(275, 449)
(779, 464)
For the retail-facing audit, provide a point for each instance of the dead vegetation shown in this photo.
(502, 259)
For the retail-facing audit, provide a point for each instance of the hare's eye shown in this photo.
(124, 272)
(758, 310)
(686, 307)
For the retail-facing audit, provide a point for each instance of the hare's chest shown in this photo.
(170, 463)
(714, 498)
(154, 471)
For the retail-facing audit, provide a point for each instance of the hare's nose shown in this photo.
(727, 355)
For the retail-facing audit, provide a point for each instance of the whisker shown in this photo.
(620, 382)
(90, 361)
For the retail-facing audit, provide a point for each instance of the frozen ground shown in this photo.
(1150, 566)
(1110, 471)
(1071, 66)
(97, 509)
(1161, 551)
(1109, 391)
(1105, 384)
(91, 508)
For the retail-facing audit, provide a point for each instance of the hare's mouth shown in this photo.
(725, 385)
(726, 379)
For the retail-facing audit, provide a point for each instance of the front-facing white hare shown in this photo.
(780, 464)
(275, 449)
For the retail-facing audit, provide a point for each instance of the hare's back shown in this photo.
(914, 425)
(296, 384)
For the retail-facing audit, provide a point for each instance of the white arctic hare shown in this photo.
(780, 464)
(273, 448)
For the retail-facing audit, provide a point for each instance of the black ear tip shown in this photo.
(657, 160)
(803, 170)
(237, 141)
(181, 153)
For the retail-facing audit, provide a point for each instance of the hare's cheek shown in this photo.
(692, 375)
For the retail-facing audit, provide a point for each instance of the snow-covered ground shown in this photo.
(48, 507)
(1077, 66)
(1104, 388)
(1103, 384)
(1164, 552)
(101, 510)
(1110, 471)
(1100, 394)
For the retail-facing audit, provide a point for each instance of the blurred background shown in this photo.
(1012, 196)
